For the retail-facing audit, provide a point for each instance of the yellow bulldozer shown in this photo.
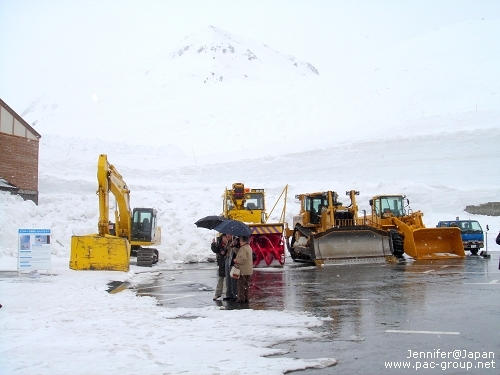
(131, 233)
(249, 206)
(326, 231)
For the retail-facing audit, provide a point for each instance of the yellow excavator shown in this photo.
(249, 206)
(130, 234)
(326, 231)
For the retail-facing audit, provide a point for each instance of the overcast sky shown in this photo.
(42, 42)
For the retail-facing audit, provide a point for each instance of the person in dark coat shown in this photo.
(219, 247)
(231, 284)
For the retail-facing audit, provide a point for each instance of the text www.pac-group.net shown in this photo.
(445, 360)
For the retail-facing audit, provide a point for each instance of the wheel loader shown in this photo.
(131, 234)
(409, 235)
(326, 231)
(249, 206)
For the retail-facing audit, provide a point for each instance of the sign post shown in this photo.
(34, 250)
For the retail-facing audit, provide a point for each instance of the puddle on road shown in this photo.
(116, 286)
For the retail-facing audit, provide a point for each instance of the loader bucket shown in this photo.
(95, 252)
(433, 243)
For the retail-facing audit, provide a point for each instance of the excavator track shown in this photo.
(146, 257)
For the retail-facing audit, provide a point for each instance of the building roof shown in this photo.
(5, 185)
(20, 119)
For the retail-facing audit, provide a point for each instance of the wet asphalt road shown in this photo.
(380, 311)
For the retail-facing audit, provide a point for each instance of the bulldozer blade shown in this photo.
(434, 243)
(95, 252)
(357, 244)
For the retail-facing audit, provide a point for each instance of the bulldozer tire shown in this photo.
(397, 243)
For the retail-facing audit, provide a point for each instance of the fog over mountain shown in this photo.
(218, 83)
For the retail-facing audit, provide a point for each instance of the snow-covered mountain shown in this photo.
(213, 55)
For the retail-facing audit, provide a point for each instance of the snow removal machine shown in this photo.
(249, 206)
(408, 233)
(131, 233)
(326, 231)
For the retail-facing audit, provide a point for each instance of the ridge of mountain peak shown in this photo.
(216, 55)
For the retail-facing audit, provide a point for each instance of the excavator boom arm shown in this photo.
(110, 180)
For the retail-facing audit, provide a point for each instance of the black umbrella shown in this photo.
(210, 222)
(234, 227)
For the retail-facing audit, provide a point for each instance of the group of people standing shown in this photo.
(233, 251)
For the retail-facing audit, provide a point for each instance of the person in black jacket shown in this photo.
(219, 248)
(231, 284)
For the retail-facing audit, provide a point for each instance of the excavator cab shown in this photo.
(143, 224)
(144, 233)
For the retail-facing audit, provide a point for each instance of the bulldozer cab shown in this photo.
(313, 204)
(323, 210)
(143, 224)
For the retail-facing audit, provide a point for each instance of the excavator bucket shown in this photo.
(95, 252)
(433, 243)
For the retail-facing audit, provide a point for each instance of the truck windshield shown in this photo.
(254, 201)
(466, 226)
